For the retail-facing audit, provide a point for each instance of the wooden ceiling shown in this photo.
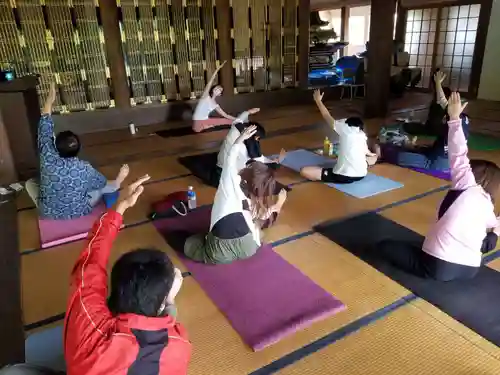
(332, 4)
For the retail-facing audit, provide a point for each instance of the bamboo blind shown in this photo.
(265, 44)
(60, 40)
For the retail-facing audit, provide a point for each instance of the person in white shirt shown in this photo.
(243, 205)
(354, 157)
(207, 104)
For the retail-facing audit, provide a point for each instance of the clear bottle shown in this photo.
(191, 197)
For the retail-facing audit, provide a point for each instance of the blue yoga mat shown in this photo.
(45, 348)
(369, 186)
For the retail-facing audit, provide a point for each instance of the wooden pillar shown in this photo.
(477, 59)
(400, 23)
(344, 27)
(114, 51)
(304, 40)
(380, 54)
(225, 44)
(11, 321)
(20, 113)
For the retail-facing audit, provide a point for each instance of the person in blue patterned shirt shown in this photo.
(69, 187)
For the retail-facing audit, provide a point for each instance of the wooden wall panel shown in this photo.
(210, 36)
(275, 37)
(165, 50)
(259, 53)
(92, 54)
(195, 43)
(11, 51)
(242, 53)
(290, 43)
(65, 54)
(181, 48)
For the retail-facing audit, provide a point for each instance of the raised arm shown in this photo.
(46, 124)
(210, 82)
(439, 78)
(230, 179)
(318, 99)
(461, 172)
(221, 112)
(87, 308)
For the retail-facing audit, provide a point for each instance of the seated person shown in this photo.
(134, 330)
(69, 187)
(211, 170)
(434, 157)
(437, 110)
(353, 153)
(207, 104)
(453, 247)
(243, 205)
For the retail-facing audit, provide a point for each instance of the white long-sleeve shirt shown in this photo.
(231, 137)
(228, 210)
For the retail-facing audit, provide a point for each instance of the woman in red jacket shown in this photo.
(135, 331)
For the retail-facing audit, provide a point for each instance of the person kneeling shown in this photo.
(243, 205)
(69, 187)
(453, 248)
(354, 157)
(135, 331)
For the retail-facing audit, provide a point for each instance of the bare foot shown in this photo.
(122, 175)
(377, 150)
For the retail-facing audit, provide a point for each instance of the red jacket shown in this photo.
(98, 343)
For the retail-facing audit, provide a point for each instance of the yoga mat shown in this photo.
(474, 303)
(202, 165)
(110, 199)
(58, 232)
(264, 297)
(369, 186)
(443, 175)
(481, 142)
(45, 348)
(187, 130)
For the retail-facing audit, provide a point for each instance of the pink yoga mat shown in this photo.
(58, 232)
(265, 298)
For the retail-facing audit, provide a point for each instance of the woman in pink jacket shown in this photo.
(467, 226)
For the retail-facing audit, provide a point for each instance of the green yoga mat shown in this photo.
(481, 142)
(478, 142)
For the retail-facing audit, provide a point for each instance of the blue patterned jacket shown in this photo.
(65, 183)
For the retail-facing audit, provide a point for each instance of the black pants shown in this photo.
(410, 257)
(328, 176)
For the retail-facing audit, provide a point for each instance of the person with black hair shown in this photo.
(135, 330)
(354, 157)
(69, 187)
(210, 172)
(207, 104)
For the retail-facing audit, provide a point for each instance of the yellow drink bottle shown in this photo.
(326, 146)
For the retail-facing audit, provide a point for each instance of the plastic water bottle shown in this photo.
(191, 196)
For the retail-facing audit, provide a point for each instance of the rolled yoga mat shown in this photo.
(264, 297)
(367, 187)
(203, 167)
(475, 303)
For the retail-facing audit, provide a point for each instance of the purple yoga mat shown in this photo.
(264, 297)
(443, 175)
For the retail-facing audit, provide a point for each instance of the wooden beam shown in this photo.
(400, 23)
(225, 44)
(479, 49)
(304, 36)
(344, 27)
(380, 54)
(11, 316)
(114, 51)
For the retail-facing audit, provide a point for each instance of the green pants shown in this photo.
(214, 250)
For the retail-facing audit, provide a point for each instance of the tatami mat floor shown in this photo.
(382, 331)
